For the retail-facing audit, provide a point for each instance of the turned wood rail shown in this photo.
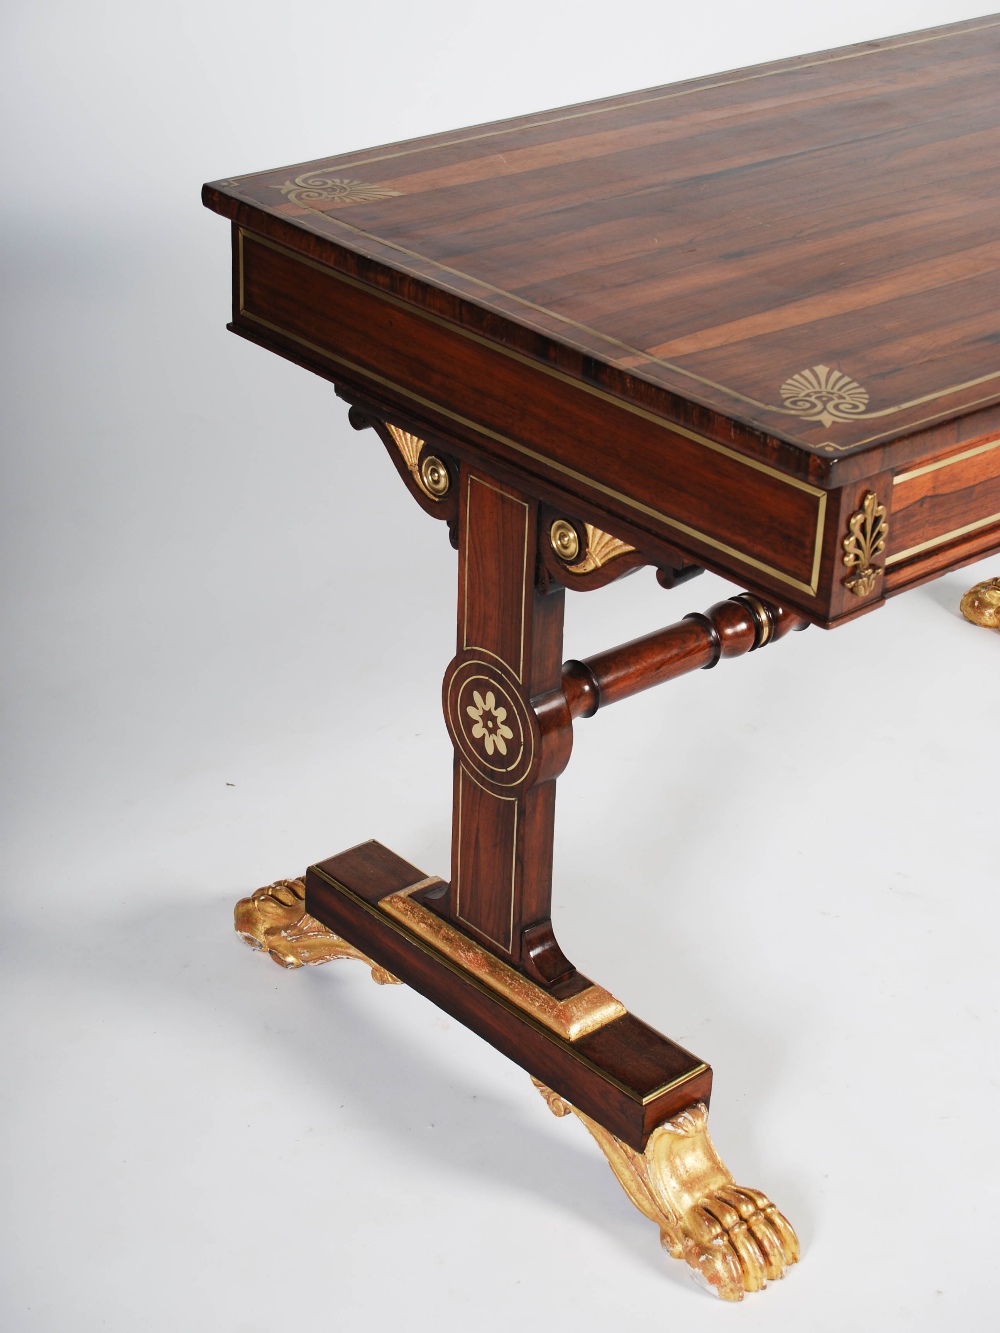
(698, 642)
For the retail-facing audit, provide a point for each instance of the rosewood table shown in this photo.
(749, 323)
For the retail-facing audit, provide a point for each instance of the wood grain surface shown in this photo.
(708, 319)
(626, 1075)
(713, 239)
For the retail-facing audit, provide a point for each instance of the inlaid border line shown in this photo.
(947, 462)
(544, 459)
(940, 540)
(611, 105)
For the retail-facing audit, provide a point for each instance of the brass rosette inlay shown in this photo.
(491, 726)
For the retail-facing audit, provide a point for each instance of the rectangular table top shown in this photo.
(800, 260)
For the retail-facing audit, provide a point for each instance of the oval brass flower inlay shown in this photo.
(824, 395)
(489, 722)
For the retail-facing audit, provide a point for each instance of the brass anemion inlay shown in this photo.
(565, 540)
(824, 395)
(489, 722)
(313, 187)
(431, 475)
(866, 533)
(981, 604)
(572, 1018)
(733, 1237)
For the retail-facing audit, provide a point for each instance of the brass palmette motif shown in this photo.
(733, 1237)
(431, 475)
(824, 395)
(599, 548)
(316, 187)
(867, 530)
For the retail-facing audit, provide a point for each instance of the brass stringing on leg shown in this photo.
(274, 919)
(734, 1237)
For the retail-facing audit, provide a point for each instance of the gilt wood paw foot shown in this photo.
(981, 604)
(733, 1237)
(274, 920)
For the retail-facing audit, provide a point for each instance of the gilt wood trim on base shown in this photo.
(624, 1073)
(732, 1237)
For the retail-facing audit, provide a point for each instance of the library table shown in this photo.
(748, 323)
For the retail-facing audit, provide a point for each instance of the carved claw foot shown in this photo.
(274, 919)
(981, 604)
(734, 1237)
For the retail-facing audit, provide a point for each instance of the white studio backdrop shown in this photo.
(213, 675)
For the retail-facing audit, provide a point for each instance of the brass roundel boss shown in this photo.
(565, 540)
(434, 476)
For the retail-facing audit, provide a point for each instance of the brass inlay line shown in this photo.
(944, 537)
(403, 931)
(593, 1008)
(514, 499)
(513, 355)
(323, 163)
(920, 421)
(545, 459)
(592, 111)
(637, 351)
(634, 351)
(947, 462)
(464, 773)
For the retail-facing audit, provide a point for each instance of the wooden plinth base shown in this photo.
(625, 1074)
(630, 1086)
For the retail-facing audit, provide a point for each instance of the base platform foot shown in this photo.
(274, 919)
(734, 1237)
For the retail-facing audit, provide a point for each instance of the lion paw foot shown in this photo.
(274, 920)
(737, 1240)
